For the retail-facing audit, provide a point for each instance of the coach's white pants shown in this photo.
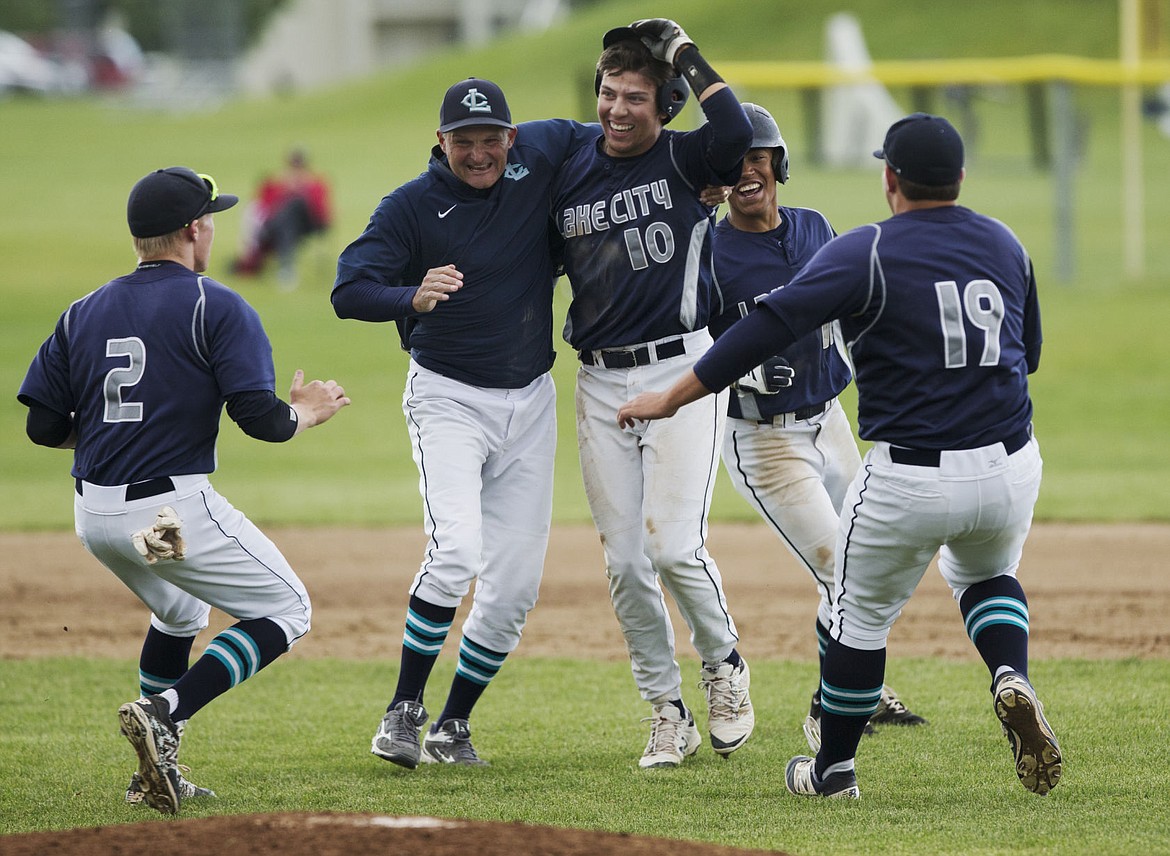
(974, 510)
(795, 473)
(485, 460)
(649, 491)
(230, 564)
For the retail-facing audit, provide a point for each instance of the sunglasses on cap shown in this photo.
(213, 189)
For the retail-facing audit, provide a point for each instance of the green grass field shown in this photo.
(296, 737)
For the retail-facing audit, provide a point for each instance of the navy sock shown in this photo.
(426, 630)
(851, 686)
(235, 655)
(164, 659)
(996, 615)
(822, 643)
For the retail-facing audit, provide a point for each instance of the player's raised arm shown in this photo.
(668, 41)
(731, 132)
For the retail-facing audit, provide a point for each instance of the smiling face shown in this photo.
(753, 199)
(627, 106)
(477, 154)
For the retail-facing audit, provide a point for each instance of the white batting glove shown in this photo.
(163, 540)
(768, 379)
(662, 36)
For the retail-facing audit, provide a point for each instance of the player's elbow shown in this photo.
(46, 427)
(340, 306)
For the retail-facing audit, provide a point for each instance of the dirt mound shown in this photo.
(346, 835)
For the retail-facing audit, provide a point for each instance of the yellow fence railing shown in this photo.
(940, 72)
(1045, 77)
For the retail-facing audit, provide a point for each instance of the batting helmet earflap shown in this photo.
(672, 95)
(766, 135)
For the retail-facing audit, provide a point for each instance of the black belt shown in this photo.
(142, 489)
(803, 413)
(627, 358)
(931, 457)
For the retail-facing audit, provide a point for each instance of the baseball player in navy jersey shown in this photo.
(789, 447)
(460, 258)
(638, 255)
(939, 310)
(134, 379)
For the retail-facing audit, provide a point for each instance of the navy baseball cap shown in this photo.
(924, 149)
(474, 101)
(168, 199)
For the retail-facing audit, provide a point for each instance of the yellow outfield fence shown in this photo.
(1046, 78)
(942, 72)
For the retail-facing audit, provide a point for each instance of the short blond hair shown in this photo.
(156, 247)
(161, 246)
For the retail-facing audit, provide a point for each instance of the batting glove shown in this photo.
(163, 540)
(774, 375)
(662, 36)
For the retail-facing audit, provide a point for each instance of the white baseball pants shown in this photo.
(795, 473)
(974, 510)
(230, 564)
(485, 461)
(649, 491)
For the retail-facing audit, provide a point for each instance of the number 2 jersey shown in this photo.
(939, 311)
(145, 364)
(637, 239)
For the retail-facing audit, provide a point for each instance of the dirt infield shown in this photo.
(55, 600)
(1079, 577)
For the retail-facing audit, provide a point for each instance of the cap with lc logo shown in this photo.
(474, 101)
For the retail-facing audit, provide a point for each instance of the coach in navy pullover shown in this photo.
(496, 331)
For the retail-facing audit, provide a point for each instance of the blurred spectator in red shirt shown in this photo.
(287, 208)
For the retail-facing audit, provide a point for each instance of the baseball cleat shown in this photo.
(187, 790)
(450, 743)
(812, 724)
(396, 739)
(147, 724)
(730, 718)
(672, 738)
(891, 711)
(1038, 758)
(800, 778)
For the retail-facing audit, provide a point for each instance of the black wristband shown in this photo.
(698, 74)
(262, 415)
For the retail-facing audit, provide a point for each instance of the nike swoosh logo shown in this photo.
(443, 214)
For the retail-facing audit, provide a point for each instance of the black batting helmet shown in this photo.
(766, 135)
(672, 95)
